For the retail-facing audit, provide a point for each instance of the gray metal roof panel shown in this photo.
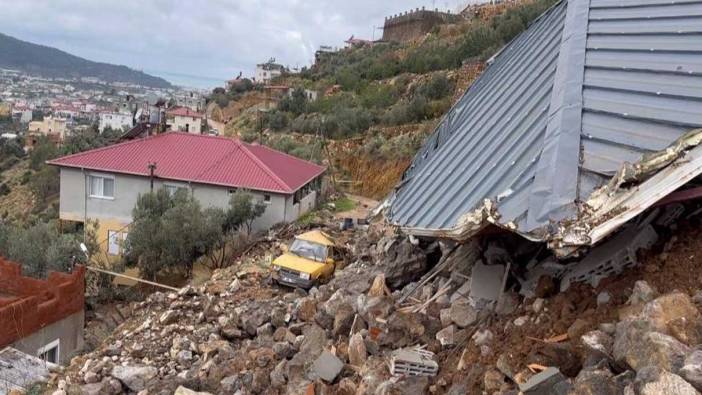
(616, 78)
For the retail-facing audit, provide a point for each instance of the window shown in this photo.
(102, 187)
(267, 198)
(50, 352)
(115, 241)
(173, 188)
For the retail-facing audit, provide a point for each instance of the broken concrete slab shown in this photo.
(486, 283)
(542, 383)
(326, 367)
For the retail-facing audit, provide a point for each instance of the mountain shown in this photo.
(51, 62)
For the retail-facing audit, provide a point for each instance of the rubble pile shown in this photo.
(411, 317)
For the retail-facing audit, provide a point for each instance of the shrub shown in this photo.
(436, 87)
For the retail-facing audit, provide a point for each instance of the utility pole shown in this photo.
(152, 169)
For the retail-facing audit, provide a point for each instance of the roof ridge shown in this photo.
(262, 165)
(283, 153)
(107, 147)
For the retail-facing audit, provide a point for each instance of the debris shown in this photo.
(486, 284)
(379, 288)
(413, 362)
(642, 293)
(134, 377)
(542, 382)
(612, 257)
(326, 367)
(654, 381)
(357, 350)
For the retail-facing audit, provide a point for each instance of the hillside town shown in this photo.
(499, 198)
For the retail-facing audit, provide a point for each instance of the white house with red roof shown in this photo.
(184, 119)
(103, 184)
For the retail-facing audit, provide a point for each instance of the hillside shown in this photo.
(376, 103)
(51, 62)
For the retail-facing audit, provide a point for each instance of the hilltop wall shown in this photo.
(415, 23)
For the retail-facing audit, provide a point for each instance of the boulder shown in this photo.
(134, 377)
(692, 369)
(463, 314)
(595, 382)
(307, 309)
(253, 319)
(357, 350)
(403, 263)
(652, 380)
(404, 385)
(638, 347)
(326, 367)
(676, 315)
(598, 342)
(642, 293)
(186, 391)
(277, 375)
(343, 319)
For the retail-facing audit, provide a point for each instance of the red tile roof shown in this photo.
(201, 159)
(184, 112)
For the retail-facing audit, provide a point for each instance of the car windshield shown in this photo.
(309, 250)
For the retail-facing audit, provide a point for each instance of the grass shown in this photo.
(344, 204)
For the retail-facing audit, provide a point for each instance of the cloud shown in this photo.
(214, 38)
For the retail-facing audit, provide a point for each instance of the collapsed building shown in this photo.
(577, 127)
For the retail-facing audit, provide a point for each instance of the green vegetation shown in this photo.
(43, 247)
(344, 204)
(388, 84)
(172, 232)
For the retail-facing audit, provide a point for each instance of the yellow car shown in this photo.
(311, 258)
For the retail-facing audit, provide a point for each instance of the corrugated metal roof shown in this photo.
(202, 159)
(591, 84)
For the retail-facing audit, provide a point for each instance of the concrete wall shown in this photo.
(190, 124)
(68, 332)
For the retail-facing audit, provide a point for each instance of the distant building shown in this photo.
(354, 42)
(265, 72)
(324, 53)
(115, 121)
(191, 100)
(43, 318)
(53, 128)
(415, 23)
(183, 119)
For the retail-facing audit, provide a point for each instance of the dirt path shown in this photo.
(363, 207)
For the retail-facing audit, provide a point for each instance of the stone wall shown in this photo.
(28, 304)
(414, 24)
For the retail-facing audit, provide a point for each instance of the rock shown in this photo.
(403, 263)
(404, 385)
(253, 319)
(232, 332)
(343, 320)
(493, 380)
(692, 369)
(598, 342)
(642, 293)
(595, 382)
(543, 382)
(283, 350)
(520, 321)
(185, 391)
(277, 375)
(168, 317)
(378, 288)
(265, 330)
(507, 364)
(676, 315)
(307, 309)
(91, 377)
(134, 377)
(278, 316)
(461, 294)
(608, 328)
(508, 303)
(636, 346)
(231, 384)
(357, 350)
(446, 336)
(89, 389)
(603, 298)
(463, 314)
(336, 300)
(537, 305)
(577, 328)
(482, 337)
(445, 317)
(655, 381)
(326, 367)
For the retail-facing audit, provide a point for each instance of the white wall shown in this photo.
(115, 120)
(191, 124)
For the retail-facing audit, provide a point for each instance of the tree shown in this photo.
(296, 103)
(243, 211)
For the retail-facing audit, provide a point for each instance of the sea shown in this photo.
(188, 80)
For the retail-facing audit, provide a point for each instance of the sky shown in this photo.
(199, 42)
